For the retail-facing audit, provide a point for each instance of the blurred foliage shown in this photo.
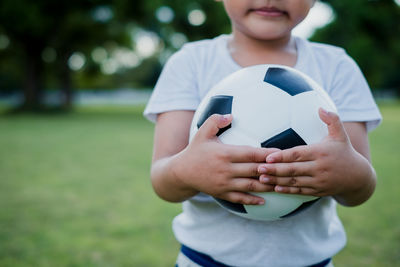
(370, 33)
(65, 26)
(368, 30)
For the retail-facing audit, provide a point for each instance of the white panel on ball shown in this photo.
(275, 205)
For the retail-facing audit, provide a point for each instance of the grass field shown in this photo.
(75, 191)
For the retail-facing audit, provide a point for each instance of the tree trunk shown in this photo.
(66, 82)
(33, 80)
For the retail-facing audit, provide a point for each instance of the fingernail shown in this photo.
(278, 188)
(226, 116)
(264, 179)
(324, 111)
(262, 170)
(270, 159)
(261, 202)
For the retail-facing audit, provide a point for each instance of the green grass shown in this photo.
(374, 228)
(75, 191)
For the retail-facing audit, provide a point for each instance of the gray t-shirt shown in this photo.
(301, 240)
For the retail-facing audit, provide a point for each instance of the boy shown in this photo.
(337, 169)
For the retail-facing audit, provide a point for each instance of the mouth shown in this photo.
(268, 12)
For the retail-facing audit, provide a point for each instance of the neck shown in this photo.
(249, 51)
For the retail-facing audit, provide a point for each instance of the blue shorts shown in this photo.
(192, 258)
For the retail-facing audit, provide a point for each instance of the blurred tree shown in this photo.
(370, 33)
(44, 34)
(63, 27)
(145, 14)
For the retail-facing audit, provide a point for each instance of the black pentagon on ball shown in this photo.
(236, 207)
(219, 104)
(288, 81)
(284, 140)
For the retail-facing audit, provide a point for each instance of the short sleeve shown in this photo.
(352, 95)
(176, 88)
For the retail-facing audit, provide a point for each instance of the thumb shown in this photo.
(212, 126)
(335, 126)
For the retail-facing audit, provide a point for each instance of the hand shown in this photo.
(330, 168)
(223, 171)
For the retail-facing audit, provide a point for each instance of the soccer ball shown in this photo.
(272, 106)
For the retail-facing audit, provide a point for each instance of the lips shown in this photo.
(268, 12)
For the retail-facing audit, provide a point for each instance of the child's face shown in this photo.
(266, 19)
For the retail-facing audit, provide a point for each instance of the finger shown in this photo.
(298, 153)
(213, 124)
(287, 169)
(335, 126)
(250, 185)
(295, 190)
(296, 181)
(245, 170)
(249, 154)
(243, 198)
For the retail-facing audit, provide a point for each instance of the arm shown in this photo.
(171, 136)
(339, 166)
(181, 170)
(364, 186)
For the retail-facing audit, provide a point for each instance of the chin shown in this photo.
(268, 31)
(269, 36)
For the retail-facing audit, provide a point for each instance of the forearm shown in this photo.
(167, 183)
(171, 137)
(361, 174)
(362, 184)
